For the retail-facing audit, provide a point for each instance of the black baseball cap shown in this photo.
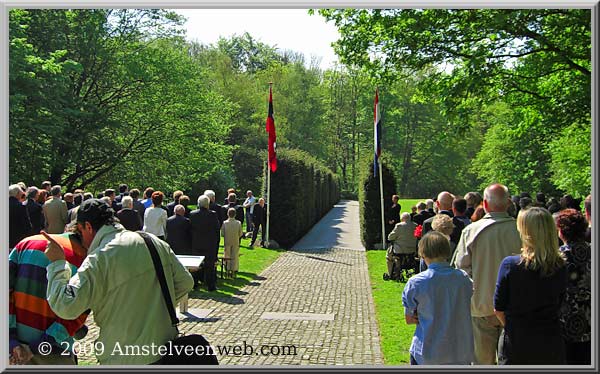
(94, 211)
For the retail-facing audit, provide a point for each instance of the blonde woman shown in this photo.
(529, 293)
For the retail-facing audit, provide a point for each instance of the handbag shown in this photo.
(191, 349)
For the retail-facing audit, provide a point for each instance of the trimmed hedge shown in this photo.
(369, 200)
(302, 192)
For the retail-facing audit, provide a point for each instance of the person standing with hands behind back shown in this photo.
(232, 233)
(393, 216)
(438, 301)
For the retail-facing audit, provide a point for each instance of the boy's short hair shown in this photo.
(231, 213)
(434, 245)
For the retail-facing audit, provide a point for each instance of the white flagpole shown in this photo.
(382, 213)
(379, 164)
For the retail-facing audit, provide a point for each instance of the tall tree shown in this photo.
(536, 60)
(105, 89)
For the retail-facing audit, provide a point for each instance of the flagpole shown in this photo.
(266, 239)
(268, 203)
(382, 214)
(383, 238)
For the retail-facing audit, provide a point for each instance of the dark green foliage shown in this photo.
(370, 200)
(535, 62)
(101, 97)
(302, 192)
(248, 165)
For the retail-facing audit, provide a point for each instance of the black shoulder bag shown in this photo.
(183, 350)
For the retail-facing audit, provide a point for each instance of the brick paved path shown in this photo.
(323, 281)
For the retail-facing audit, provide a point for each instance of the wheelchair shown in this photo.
(404, 266)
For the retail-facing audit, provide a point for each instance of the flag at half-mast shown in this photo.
(272, 136)
(377, 132)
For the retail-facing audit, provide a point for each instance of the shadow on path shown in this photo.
(300, 253)
(339, 228)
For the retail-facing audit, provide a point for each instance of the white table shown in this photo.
(191, 263)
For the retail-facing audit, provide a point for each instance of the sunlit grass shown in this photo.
(395, 334)
(251, 263)
(406, 204)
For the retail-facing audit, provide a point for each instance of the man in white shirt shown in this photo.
(249, 206)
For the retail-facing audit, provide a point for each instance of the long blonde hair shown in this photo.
(540, 241)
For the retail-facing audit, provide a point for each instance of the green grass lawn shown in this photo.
(395, 334)
(406, 204)
(252, 262)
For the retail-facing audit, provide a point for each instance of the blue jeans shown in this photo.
(249, 224)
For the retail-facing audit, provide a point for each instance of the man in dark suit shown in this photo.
(72, 213)
(206, 235)
(393, 215)
(110, 193)
(221, 211)
(444, 204)
(459, 207)
(129, 218)
(429, 203)
(34, 209)
(123, 191)
(178, 232)
(259, 218)
(18, 219)
(137, 203)
(422, 213)
(185, 201)
(171, 206)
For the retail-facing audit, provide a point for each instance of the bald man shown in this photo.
(481, 248)
(444, 205)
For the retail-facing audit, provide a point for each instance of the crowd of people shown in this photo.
(491, 288)
(75, 253)
(503, 279)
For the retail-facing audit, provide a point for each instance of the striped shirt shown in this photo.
(31, 320)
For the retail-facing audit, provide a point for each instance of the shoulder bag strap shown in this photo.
(160, 273)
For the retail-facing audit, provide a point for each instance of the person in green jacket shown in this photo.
(118, 282)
